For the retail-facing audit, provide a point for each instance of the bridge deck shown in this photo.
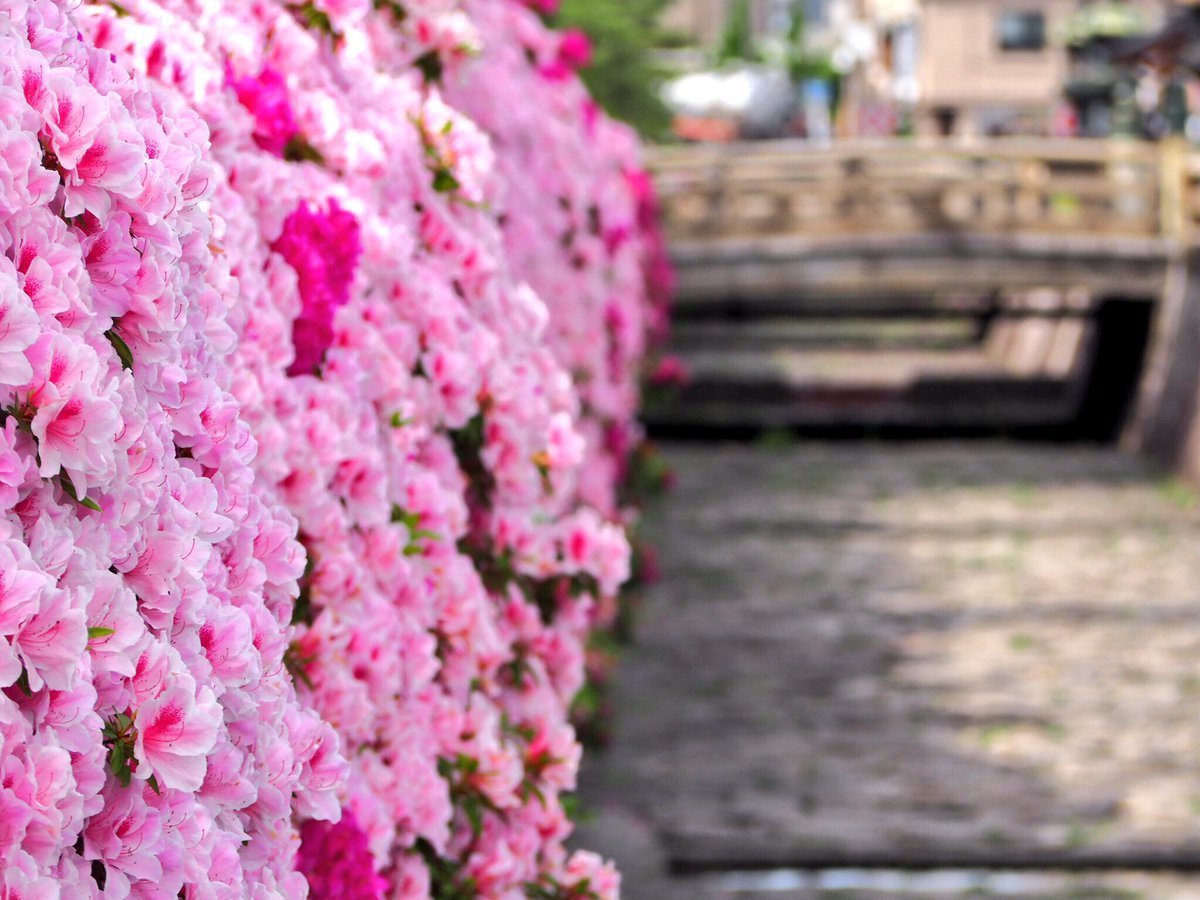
(903, 229)
(788, 219)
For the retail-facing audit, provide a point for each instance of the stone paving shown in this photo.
(866, 658)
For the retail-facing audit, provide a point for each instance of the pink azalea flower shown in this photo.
(24, 182)
(113, 262)
(22, 879)
(671, 371)
(575, 49)
(337, 862)
(14, 466)
(21, 587)
(51, 644)
(73, 113)
(15, 816)
(601, 878)
(76, 432)
(114, 164)
(323, 246)
(124, 835)
(265, 96)
(19, 328)
(48, 262)
(60, 364)
(175, 731)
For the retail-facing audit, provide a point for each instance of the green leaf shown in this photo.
(314, 18)
(297, 664)
(430, 66)
(298, 149)
(410, 520)
(303, 612)
(69, 488)
(398, 420)
(116, 758)
(153, 782)
(444, 181)
(394, 8)
(96, 631)
(624, 75)
(122, 348)
(474, 810)
(532, 788)
(468, 764)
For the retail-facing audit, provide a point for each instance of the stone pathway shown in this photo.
(867, 658)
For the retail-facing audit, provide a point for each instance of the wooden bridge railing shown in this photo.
(1117, 190)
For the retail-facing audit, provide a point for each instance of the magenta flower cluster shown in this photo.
(265, 97)
(336, 860)
(322, 246)
(321, 328)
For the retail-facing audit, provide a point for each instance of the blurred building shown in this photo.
(999, 66)
(974, 67)
(958, 68)
(990, 66)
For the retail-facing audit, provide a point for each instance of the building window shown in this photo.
(1022, 30)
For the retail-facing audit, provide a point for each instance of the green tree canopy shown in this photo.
(737, 41)
(622, 77)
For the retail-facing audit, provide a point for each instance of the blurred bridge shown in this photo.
(910, 664)
(1008, 285)
(756, 220)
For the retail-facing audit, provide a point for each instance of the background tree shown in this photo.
(623, 76)
(737, 41)
(803, 64)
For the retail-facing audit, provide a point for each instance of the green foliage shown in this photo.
(121, 348)
(468, 448)
(1105, 19)
(622, 77)
(803, 64)
(308, 15)
(68, 487)
(298, 150)
(445, 875)
(297, 662)
(416, 534)
(120, 737)
(737, 41)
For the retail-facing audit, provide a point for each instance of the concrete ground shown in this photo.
(909, 670)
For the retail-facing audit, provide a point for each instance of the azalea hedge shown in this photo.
(321, 327)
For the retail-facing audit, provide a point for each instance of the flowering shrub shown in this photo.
(322, 337)
(151, 737)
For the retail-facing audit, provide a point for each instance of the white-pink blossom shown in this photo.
(175, 732)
